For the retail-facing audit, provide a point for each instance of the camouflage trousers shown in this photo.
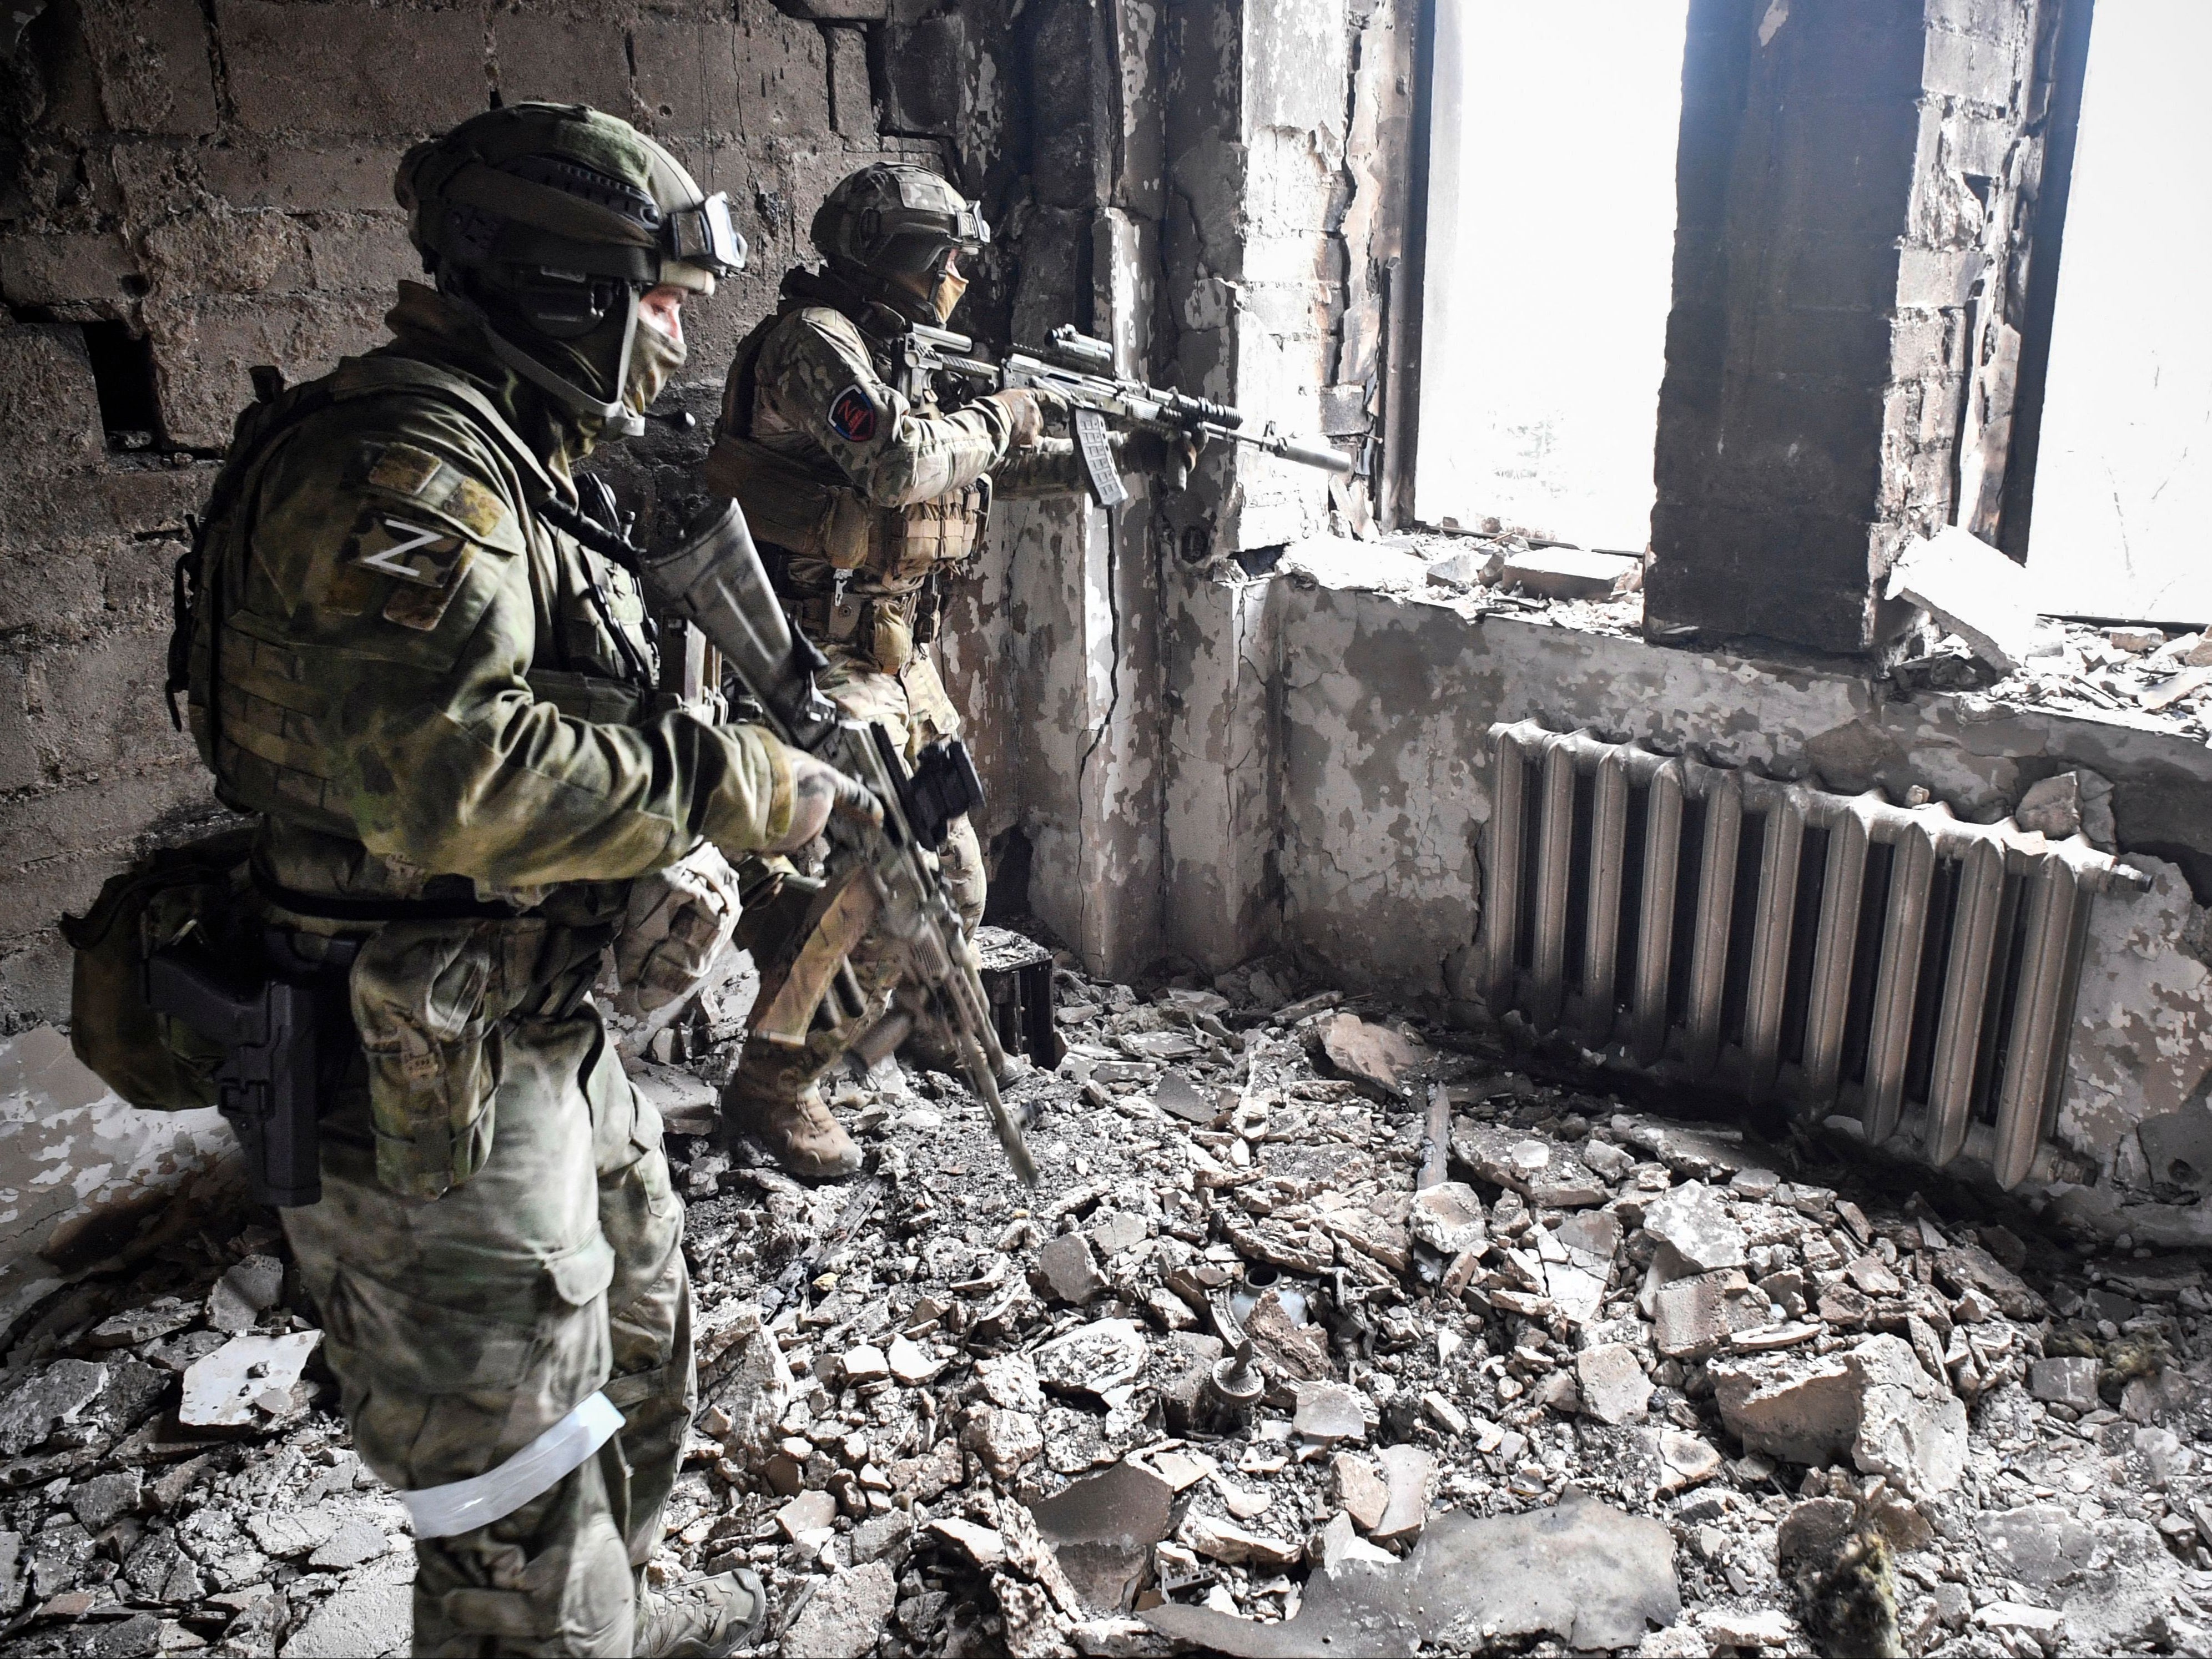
(462, 1328)
(914, 708)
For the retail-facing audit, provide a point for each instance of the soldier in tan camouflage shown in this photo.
(865, 496)
(439, 705)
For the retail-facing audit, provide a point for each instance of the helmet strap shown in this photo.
(615, 420)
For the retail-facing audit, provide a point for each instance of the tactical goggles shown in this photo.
(704, 235)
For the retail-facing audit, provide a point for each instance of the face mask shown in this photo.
(946, 295)
(653, 360)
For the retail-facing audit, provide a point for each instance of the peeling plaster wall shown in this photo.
(80, 1172)
(1387, 695)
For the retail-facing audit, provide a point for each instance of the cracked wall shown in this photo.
(1387, 692)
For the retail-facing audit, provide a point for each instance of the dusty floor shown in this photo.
(1588, 1371)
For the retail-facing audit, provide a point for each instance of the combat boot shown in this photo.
(705, 1619)
(773, 1096)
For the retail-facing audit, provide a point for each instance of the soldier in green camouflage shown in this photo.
(440, 704)
(865, 496)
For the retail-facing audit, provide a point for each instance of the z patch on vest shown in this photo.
(853, 415)
(422, 554)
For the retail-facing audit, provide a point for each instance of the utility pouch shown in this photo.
(789, 505)
(154, 1060)
(427, 997)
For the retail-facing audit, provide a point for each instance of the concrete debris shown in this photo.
(1875, 1402)
(1569, 573)
(1695, 1232)
(247, 1374)
(1974, 590)
(1103, 1528)
(845, 1615)
(1612, 1385)
(1580, 1570)
(1357, 1490)
(1610, 1380)
(1372, 1055)
(1066, 1271)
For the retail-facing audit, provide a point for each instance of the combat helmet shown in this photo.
(548, 222)
(891, 230)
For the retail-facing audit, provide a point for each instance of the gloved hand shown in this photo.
(818, 790)
(1027, 407)
(1172, 458)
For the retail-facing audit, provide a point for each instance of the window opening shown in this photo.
(2122, 516)
(1549, 267)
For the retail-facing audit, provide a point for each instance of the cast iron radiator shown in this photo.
(1839, 952)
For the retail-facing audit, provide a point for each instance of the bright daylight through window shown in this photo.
(1549, 273)
(2123, 514)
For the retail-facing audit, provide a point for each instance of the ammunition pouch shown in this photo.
(678, 922)
(809, 516)
(429, 998)
(880, 628)
(791, 504)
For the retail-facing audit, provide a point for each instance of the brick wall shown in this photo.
(1857, 186)
(194, 189)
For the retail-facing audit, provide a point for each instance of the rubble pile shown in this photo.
(174, 1475)
(1327, 1331)
(2138, 666)
(1595, 593)
(2160, 676)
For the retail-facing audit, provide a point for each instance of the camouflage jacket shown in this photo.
(415, 677)
(816, 388)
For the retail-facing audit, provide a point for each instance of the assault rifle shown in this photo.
(1081, 370)
(880, 883)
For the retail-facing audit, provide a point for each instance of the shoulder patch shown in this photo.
(440, 489)
(853, 414)
(424, 554)
(403, 470)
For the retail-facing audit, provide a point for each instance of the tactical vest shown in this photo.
(251, 702)
(853, 574)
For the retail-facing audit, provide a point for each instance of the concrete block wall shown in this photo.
(206, 194)
(1857, 192)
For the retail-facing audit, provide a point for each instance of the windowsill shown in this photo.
(2108, 688)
